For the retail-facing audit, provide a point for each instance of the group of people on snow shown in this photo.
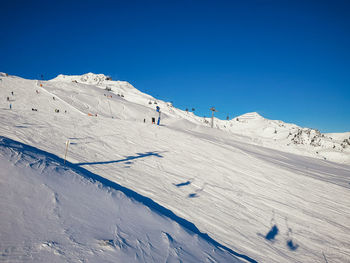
(57, 110)
(8, 99)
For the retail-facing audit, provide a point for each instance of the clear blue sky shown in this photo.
(287, 60)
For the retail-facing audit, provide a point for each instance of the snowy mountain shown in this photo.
(268, 133)
(290, 137)
(251, 189)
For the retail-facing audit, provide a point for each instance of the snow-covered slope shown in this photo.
(268, 133)
(290, 137)
(52, 212)
(270, 205)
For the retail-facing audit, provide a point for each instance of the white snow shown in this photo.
(51, 213)
(234, 182)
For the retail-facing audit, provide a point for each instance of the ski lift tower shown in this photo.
(212, 116)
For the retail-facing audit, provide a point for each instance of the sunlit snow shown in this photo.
(250, 189)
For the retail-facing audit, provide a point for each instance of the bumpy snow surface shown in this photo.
(249, 190)
(52, 212)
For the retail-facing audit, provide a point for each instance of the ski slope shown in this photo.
(51, 212)
(243, 184)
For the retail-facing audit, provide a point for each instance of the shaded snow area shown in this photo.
(54, 213)
(250, 189)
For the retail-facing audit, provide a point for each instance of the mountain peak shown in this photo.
(251, 116)
(88, 78)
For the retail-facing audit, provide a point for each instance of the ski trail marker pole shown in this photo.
(65, 155)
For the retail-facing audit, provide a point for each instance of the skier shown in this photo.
(12, 93)
(8, 98)
(10, 106)
(158, 110)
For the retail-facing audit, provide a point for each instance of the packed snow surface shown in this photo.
(57, 213)
(266, 190)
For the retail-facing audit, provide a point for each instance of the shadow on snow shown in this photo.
(272, 233)
(32, 151)
(127, 158)
(182, 184)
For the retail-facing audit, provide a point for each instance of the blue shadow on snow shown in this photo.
(127, 158)
(272, 233)
(183, 184)
(291, 245)
(193, 195)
